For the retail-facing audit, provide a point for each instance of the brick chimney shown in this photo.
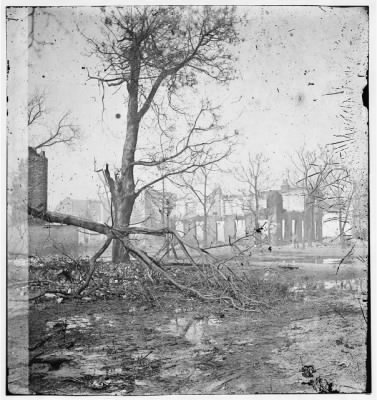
(37, 176)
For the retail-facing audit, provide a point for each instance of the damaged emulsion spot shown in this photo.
(300, 98)
(365, 94)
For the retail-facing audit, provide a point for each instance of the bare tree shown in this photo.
(255, 175)
(198, 185)
(311, 171)
(35, 108)
(156, 53)
(308, 177)
(159, 49)
(336, 195)
(41, 136)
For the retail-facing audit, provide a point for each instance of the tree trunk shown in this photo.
(123, 206)
(309, 219)
(311, 225)
(258, 236)
(256, 192)
(205, 214)
(341, 230)
(205, 233)
(123, 193)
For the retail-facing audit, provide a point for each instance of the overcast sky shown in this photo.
(292, 61)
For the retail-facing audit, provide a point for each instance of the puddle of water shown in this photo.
(193, 330)
(144, 355)
(98, 317)
(93, 363)
(358, 285)
(75, 322)
(307, 259)
(212, 351)
(349, 284)
(79, 322)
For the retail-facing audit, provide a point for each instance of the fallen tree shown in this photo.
(224, 284)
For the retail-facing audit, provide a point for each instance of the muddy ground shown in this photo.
(312, 339)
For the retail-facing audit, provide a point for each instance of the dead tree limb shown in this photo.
(66, 219)
(150, 263)
(92, 263)
(123, 235)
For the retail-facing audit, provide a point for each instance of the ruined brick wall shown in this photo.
(279, 222)
(37, 179)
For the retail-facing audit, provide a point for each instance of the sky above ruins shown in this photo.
(296, 67)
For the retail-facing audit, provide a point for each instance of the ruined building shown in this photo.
(299, 217)
(287, 216)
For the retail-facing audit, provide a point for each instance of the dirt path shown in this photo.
(113, 347)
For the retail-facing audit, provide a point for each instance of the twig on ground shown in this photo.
(92, 263)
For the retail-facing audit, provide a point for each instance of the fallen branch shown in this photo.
(223, 282)
(92, 263)
(150, 263)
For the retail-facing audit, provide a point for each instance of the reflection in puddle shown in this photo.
(232, 355)
(333, 261)
(87, 363)
(191, 329)
(351, 284)
(78, 322)
(70, 323)
(345, 284)
(144, 355)
(305, 259)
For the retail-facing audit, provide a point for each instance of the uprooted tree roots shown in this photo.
(218, 281)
